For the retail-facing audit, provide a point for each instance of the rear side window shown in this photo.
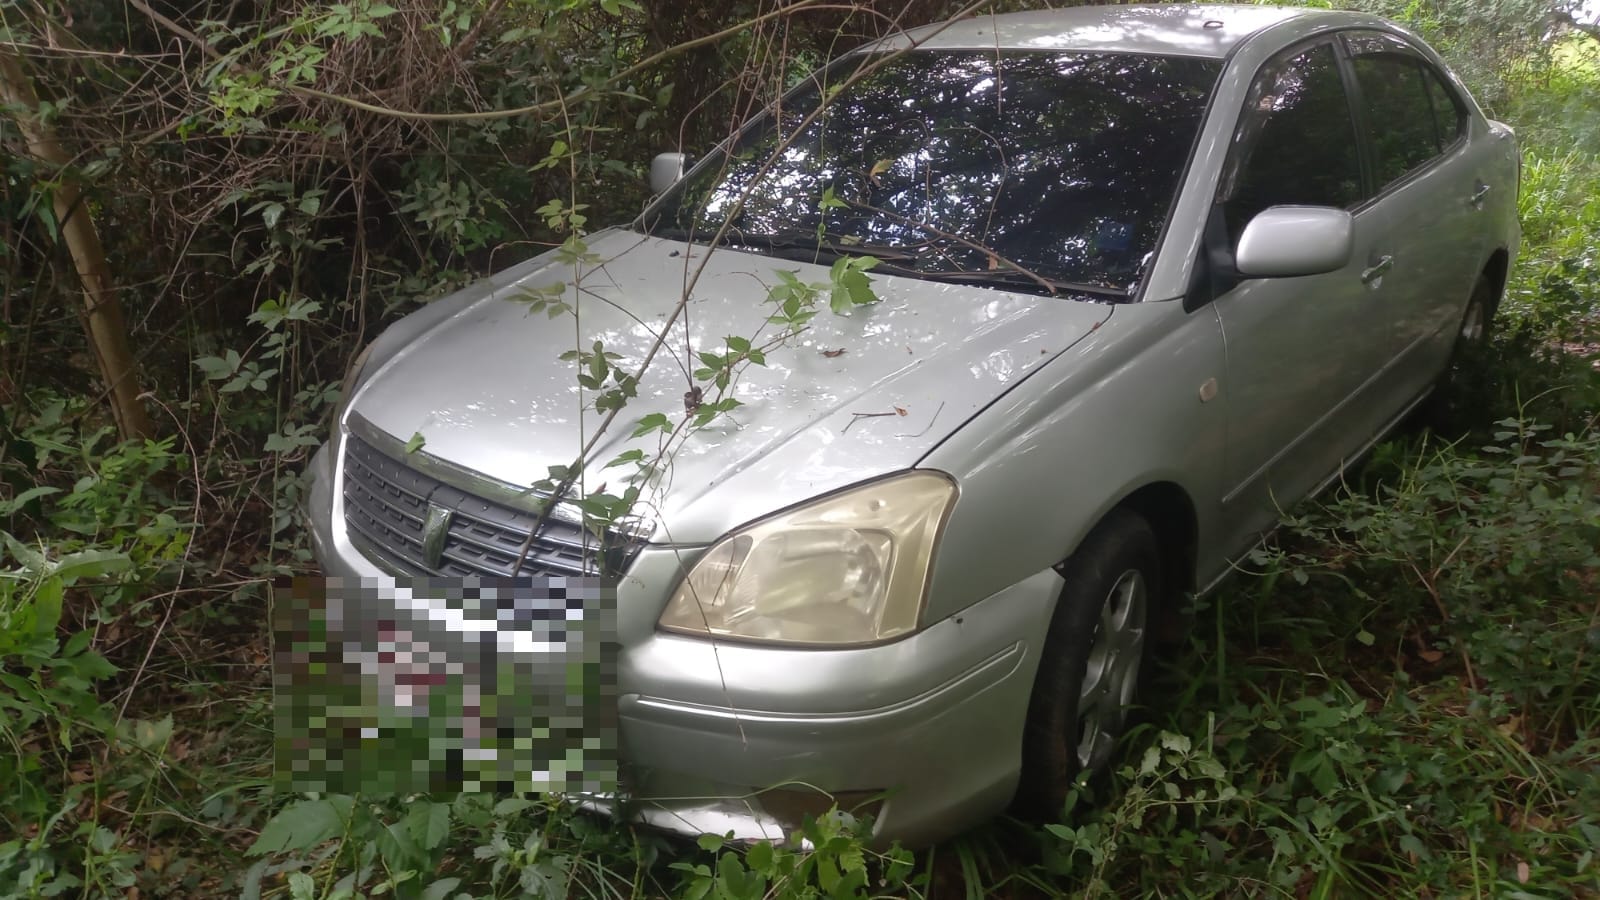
(1296, 142)
(1410, 115)
(1448, 114)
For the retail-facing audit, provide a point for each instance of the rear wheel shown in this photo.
(1463, 374)
(1093, 657)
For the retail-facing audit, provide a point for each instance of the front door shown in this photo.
(1301, 351)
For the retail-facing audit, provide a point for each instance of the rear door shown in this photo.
(1427, 188)
(1300, 351)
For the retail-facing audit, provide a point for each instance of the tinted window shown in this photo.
(1447, 112)
(1400, 117)
(1064, 163)
(1296, 143)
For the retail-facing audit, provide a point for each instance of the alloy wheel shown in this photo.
(1112, 674)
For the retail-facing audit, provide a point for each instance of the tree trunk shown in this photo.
(104, 324)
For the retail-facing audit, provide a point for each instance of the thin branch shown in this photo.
(577, 469)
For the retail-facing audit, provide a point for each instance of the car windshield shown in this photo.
(1031, 170)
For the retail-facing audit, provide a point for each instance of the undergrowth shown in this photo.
(1397, 696)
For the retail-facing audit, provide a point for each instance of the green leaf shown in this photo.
(534, 882)
(47, 607)
(31, 559)
(760, 858)
(76, 644)
(271, 214)
(511, 806)
(215, 368)
(47, 215)
(153, 734)
(91, 666)
(731, 871)
(1062, 832)
(91, 563)
(303, 824)
(626, 457)
(710, 843)
(652, 422)
(399, 851)
(429, 823)
(416, 443)
(22, 499)
(851, 286)
(250, 888)
(440, 889)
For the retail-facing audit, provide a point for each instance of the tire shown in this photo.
(1093, 657)
(1454, 382)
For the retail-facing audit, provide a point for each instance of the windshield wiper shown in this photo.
(809, 247)
(1011, 278)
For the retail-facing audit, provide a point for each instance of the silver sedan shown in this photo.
(1146, 276)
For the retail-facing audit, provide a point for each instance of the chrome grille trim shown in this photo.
(386, 503)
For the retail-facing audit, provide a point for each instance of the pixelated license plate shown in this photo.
(404, 685)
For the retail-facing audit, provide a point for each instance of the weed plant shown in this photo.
(1398, 696)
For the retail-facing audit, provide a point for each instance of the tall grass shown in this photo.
(1399, 696)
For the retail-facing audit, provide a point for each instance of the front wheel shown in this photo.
(1092, 659)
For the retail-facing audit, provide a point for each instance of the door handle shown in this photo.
(1375, 271)
(1477, 196)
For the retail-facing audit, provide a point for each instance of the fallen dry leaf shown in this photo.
(1430, 656)
(899, 411)
(833, 353)
(1522, 872)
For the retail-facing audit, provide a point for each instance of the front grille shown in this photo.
(386, 506)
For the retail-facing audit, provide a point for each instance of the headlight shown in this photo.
(850, 568)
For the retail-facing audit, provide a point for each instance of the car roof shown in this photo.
(1167, 29)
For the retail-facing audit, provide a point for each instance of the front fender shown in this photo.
(1141, 400)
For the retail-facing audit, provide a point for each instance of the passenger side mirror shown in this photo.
(1290, 241)
(665, 170)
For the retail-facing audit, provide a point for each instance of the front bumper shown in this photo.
(724, 737)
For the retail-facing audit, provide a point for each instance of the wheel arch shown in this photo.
(1170, 513)
(1498, 270)
(1169, 510)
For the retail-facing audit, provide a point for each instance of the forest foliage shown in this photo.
(1398, 699)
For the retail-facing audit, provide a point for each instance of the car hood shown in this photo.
(853, 396)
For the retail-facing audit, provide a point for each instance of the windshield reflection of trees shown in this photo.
(1065, 163)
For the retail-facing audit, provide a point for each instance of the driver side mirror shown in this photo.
(665, 170)
(1292, 241)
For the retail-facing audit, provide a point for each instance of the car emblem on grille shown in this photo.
(434, 530)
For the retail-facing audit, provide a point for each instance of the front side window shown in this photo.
(963, 165)
(1401, 116)
(1296, 141)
